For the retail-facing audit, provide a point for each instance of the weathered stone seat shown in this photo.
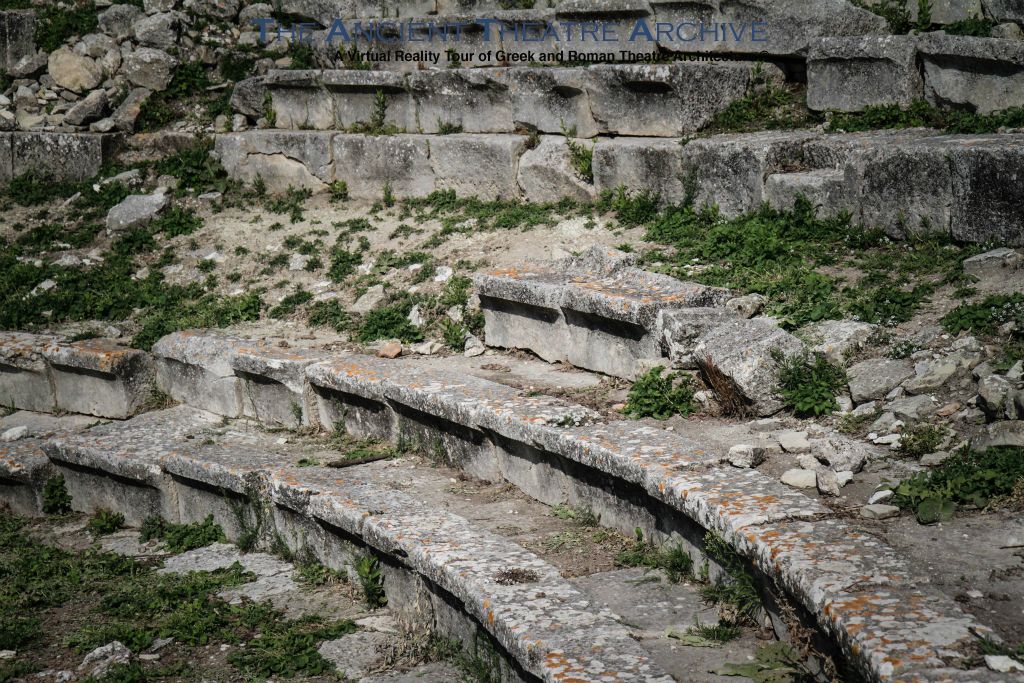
(235, 377)
(24, 468)
(95, 377)
(598, 312)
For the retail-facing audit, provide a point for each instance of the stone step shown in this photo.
(904, 182)
(612, 99)
(889, 623)
(959, 72)
(758, 28)
(180, 465)
(94, 377)
(596, 311)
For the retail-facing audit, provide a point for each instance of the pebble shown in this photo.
(1003, 664)
(390, 350)
(887, 440)
(800, 479)
(879, 496)
(879, 511)
(14, 433)
(794, 442)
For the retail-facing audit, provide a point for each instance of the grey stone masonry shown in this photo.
(17, 37)
(901, 181)
(617, 99)
(981, 74)
(849, 74)
(600, 314)
(94, 377)
(81, 154)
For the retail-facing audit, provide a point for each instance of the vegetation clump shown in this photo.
(660, 396)
(809, 382)
(179, 538)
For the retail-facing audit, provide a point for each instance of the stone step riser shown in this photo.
(81, 154)
(909, 182)
(667, 100)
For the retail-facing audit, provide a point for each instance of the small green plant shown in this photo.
(775, 663)
(371, 580)
(315, 574)
(924, 15)
(920, 440)
(56, 500)
(736, 596)
(583, 516)
(893, 11)
(988, 315)
(388, 197)
(674, 561)
(965, 478)
(454, 334)
(580, 156)
(330, 313)
(290, 303)
(447, 127)
(104, 522)
(660, 396)
(179, 538)
(977, 27)
(809, 382)
(338, 190)
(631, 208)
(701, 634)
(389, 322)
(902, 349)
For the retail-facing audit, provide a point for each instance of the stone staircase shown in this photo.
(857, 593)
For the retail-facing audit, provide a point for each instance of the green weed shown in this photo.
(736, 596)
(56, 499)
(965, 478)
(104, 522)
(921, 113)
(389, 322)
(179, 538)
(674, 561)
(580, 515)
(919, 440)
(580, 156)
(289, 648)
(809, 382)
(329, 313)
(447, 127)
(371, 581)
(988, 315)
(290, 303)
(660, 396)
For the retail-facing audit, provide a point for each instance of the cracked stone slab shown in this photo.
(194, 367)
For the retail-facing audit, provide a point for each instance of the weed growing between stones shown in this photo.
(330, 313)
(56, 499)
(920, 439)
(987, 316)
(179, 538)
(737, 597)
(922, 114)
(774, 663)
(767, 106)
(312, 573)
(104, 522)
(703, 635)
(893, 11)
(967, 477)
(661, 396)
(809, 383)
(480, 665)
(583, 516)
(976, 27)
(580, 156)
(371, 581)
(674, 561)
(289, 647)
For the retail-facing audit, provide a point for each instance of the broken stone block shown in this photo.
(852, 73)
(74, 72)
(746, 306)
(17, 39)
(742, 352)
(546, 173)
(100, 377)
(283, 159)
(89, 109)
(24, 375)
(651, 165)
(746, 456)
(800, 479)
(249, 97)
(150, 68)
(794, 442)
(912, 408)
(827, 482)
(135, 210)
(194, 367)
(993, 264)
(476, 101)
(81, 155)
(872, 379)
(403, 162)
(1006, 433)
(682, 329)
(879, 511)
(930, 375)
(839, 338)
(493, 158)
